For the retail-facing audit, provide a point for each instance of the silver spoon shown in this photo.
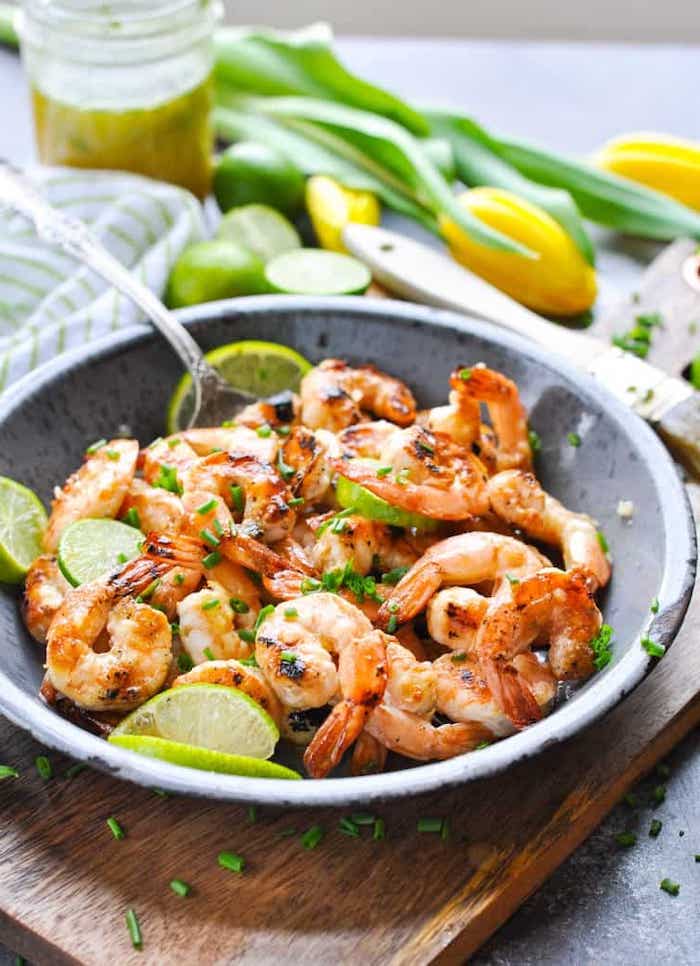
(213, 399)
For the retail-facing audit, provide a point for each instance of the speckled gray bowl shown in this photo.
(47, 419)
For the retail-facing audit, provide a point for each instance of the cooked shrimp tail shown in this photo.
(511, 692)
(368, 755)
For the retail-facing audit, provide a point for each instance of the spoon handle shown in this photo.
(72, 235)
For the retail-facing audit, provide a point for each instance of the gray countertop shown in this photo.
(604, 904)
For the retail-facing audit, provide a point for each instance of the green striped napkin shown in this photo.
(50, 303)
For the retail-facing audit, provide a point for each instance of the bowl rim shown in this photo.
(611, 685)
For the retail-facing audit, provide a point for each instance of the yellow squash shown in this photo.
(670, 165)
(331, 207)
(558, 282)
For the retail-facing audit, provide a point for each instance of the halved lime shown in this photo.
(22, 523)
(202, 758)
(260, 229)
(208, 716)
(367, 504)
(90, 548)
(259, 368)
(309, 271)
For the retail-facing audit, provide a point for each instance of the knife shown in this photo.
(415, 271)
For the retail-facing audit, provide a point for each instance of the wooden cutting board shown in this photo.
(66, 883)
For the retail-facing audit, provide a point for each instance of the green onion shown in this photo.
(283, 430)
(652, 648)
(75, 769)
(336, 516)
(465, 375)
(601, 647)
(394, 576)
(180, 888)
(312, 836)
(378, 832)
(167, 479)
(231, 861)
(131, 518)
(309, 585)
(287, 833)
(265, 430)
(482, 744)
(93, 447)
(210, 538)
(211, 559)
(211, 604)
(286, 471)
(151, 589)
(512, 580)
(445, 830)
(252, 814)
(290, 613)
(112, 454)
(238, 606)
(43, 766)
(184, 662)
(663, 770)
(263, 615)
(631, 800)
(179, 579)
(655, 828)
(288, 657)
(429, 825)
(206, 507)
(248, 661)
(363, 818)
(209, 654)
(246, 634)
(122, 558)
(658, 795)
(573, 439)
(384, 471)
(115, 828)
(160, 792)
(673, 888)
(402, 476)
(458, 657)
(535, 440)
(132, 924)
(7, 771)
(172, 443)
(654, 606)
(348, 827)
(237, 498)
(626, 839)
(392, 624)
(296, 501)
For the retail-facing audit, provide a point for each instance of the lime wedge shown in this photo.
(90, 548)
(366, 504)
(22, 523)
(309, 271)
(259, 368)
(260, 229)
(207, 716)
(202, 758)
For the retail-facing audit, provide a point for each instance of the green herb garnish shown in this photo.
(673, 888)
(115, 828)
(132, 924)
(231, 861)
(43, 766)
(180, 888)
(601, 647)
(312, 836)
(652, 648)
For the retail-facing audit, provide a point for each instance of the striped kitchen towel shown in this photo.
(48, 301)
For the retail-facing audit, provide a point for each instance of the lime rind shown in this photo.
(313, 271)
(261, 229)
(373, 507)
(92, 547)
(23, 520)
(203, 759)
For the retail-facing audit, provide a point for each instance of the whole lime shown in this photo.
(213, 270)
(250, 173)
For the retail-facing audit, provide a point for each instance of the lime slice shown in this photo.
(259, 368)
(22, 523)
(90, 548)
(202, 758)
(308, 271)
(366, 504)
(208, 716)
(260, 229)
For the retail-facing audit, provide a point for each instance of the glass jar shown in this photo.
(123, 85)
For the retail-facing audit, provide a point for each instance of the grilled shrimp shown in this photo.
(552, 603)
(411, 684)
(304, 459)
(368, 755)
(334, 395)
(97, 489)
(158, 510)
(366, 440)
(237, 440)
(207, 628)
(463, 694)
(233, 674)
(364, 543)
(518, 498)
(258, 485)
(508, 416)
(454, 616)
(431, 475)
(172, 455)
(136, 664)
(280, 410)
(242, 592)
(468, 558)
(44, 590)
(416, 737)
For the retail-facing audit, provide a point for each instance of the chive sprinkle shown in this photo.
(43, 766)
(429, 825)
(167, 479)
(384, 471)
(218, 529)
(246, 634)
(184, 662)
(535, 440)
(394, 576)
(75, 769)
(264, 431)
(248, 661)
(93, 447)
(210, 538)
(238, 606)
(654, 608)
(312, 836)
(445, 829)
(206, 507)
(209, 654)
(296, 501)
(673, 888)
(112, 454)
(7, 771)
(231, 861)
(180, 888)
(631, 800)
(211, 559)
(458, 657)
(131, 518)
(392, 624)
(378, 832)
(573, 439)
(658, 796)
(652, 647)
(132, 924)
(655, 828)
(172, 443)
(363, 818)
(604, 545)
(237, 498)
(179, 579)
(211, 604)
(465, 375)
(348, 827)
(263, 615)
(122, 558)
(252, 814)
(291, 613)
(115, 828)
(626, 839)
(663, 770)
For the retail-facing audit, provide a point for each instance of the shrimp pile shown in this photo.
(417, 619)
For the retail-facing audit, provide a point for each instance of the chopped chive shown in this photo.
(206, 507)
(283, 430)
(167, 479)
(238, 606)
(211, 559)
(132, 924)
(131, 518)
(445, 829)
(228, 424)
(156, 441)
(631, 800)
(209, 654)
(265, 430)
(115, 828)
(180, 888)
(429, 825)
(179, 579)
(43, 766)
(172, 443)
(384, 471)
(663, 770)
(160, 792)
(652, 648)
(604, 545)
(287, 833)
(151, 589)
(231, 861)
(7, 771)
(286, 471)
(312, 836)
(378, 832)
(291, 613)
(601, 647)
(573, 439)
(237, 497)
(392, 624)
(348, 827)
(362, 818)
(252, 814)
(246, 634)
(288, 657)
(655, 828)
(482, 744)
(112, 454)
(248, 661)
(465, 375)
(535, 440)
(402, 476)
(512, 580)
(211, 604)
(75, 769)
(458, 657)
(309, 585)
(210, 538)
(296, 501)
(184, 662)
(658, 795)
(218, 529)
(673, 888)
(394, 576)
(626, 839)
(122, 558)
(263, 615)
(93, 447)
(654, 608)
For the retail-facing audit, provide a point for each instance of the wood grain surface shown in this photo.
(66, 883)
